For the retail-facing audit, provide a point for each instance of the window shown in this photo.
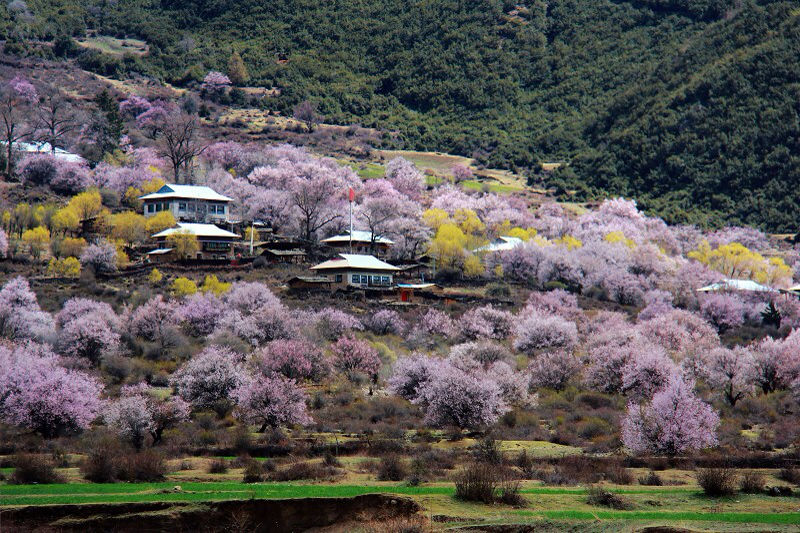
(364, 279)
(385, 280)
(191, 207)
(338, 278)
(151, 208)
(355, 278)
(212, 209)
(181, 206)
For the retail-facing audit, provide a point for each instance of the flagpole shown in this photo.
(350, 197)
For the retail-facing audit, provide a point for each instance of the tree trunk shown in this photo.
(9, 146)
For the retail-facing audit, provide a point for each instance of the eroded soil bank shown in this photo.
(249, 515)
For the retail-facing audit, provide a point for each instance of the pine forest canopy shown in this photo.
(689, 106)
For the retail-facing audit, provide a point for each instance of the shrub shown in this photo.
(34, 468)
(599, 496)
(488, 451)
(218, 466)
(391, 468)
(651, 480)
(144, 466)
(331, 460)
(616, 473)
(101, 464)
(477, 483)
(508, 493)
(717, 481)
(752, 482)
(790, 475)
(253, 472)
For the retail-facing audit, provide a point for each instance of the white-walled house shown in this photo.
(190, 203)
(355, 270)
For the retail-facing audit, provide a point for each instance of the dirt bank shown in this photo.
(249, 515)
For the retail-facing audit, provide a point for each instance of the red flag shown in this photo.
(352, 194)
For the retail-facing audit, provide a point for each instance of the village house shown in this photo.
(355, 270)
(45, 148)
(189, 203)
(215, 242)
(362, 242)
(503, 243)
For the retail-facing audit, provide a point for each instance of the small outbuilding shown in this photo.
(310, 283)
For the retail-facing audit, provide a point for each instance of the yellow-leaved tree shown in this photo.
(87, 204)
(213, 285)
(435, 218)
(129, 227)
(183, 287)
(155, 276)
(736, 261)
(184, 244)
(159, 222)
(447, 247)
(68, 267)
(37, 239)
(65, 220)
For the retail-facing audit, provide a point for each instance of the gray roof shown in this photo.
(358, 236)
(200, 230)
(190, 192)
(356, 262)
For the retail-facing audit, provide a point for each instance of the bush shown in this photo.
(33, 468)
(144, 466)
(391, 468)
(331, 460)
(253, 472)
(525, 463)
(218, 466)
(508, 493)
(101, 464)
(605, 498)
(717, 481)
(752, 482)
(790, 475)
(477, 483)
(616, 473)
(488, 451)
(651, 480)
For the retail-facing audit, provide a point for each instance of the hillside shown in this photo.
(686, 105)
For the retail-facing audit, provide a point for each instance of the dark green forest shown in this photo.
(691, 106)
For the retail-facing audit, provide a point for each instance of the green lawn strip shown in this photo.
(85, 493)
(672, 516)
(290, 490)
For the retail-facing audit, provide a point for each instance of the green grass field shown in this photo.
(660, 504)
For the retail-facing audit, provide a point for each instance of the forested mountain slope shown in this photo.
(687, 105)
